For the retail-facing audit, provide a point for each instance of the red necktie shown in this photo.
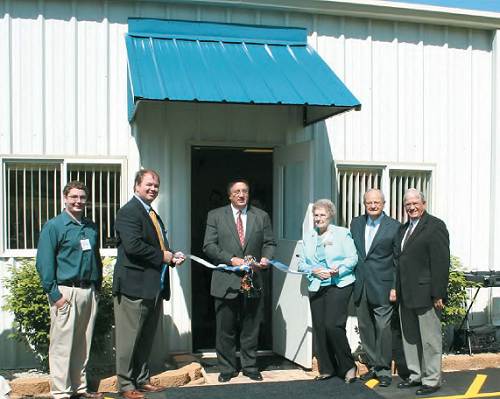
(239, 227)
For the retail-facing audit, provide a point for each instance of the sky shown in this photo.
(482, 5)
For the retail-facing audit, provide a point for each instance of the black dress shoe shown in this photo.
(368, 375)
(409, 384)
(253, 375)
(323, 377)
(384, 381)
(426, 390)
(225, 377)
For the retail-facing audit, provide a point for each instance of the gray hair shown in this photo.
(414, 191)
(325, 204)
(371, 190)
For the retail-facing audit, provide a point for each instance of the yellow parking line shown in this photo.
(371, 383)
(476, 385)
(472, 392)
(474, 396)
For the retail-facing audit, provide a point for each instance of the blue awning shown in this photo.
(229, 63)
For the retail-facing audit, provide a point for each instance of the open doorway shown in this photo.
(211, 169)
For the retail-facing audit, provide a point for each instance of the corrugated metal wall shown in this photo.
(425, 90)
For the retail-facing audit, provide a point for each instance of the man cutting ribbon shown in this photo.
(233, 232)
(140, 284)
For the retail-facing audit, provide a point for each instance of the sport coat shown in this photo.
(424, 263)
(376, 269)
(139, 264)
(222, 243)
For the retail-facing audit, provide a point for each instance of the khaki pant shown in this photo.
(71, 331)
(422, 343)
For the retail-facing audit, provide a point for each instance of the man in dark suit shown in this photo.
(140, 283)
(376, 236)
(423, 263)
(233, 232)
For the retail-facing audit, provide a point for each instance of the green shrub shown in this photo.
(456, 306)
(28, 303)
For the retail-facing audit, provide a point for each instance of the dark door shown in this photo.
(211, 170)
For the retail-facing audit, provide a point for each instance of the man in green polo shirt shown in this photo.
(70, 268)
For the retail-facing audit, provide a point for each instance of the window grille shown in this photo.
(351, 185)
(103, 182)
(33, 194)
(402, 180)
(353, 181)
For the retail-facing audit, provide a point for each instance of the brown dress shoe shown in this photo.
(151, 388)
(132, 394)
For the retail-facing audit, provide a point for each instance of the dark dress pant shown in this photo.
(329, 316)
(374, 323)
(397, 347)
(136, 320)
(241, 316)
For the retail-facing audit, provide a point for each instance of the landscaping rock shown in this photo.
(172, 378)
(34, 386)
(109, 384)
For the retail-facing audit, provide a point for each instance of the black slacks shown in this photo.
(241, 315)
(329, 316)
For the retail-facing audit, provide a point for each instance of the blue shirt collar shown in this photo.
(144, 204)
(375, 222)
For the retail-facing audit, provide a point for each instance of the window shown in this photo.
(352, 184)
(33, 194)
(402, 180)
(353, 180)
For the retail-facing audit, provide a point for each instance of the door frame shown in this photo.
(189, 148)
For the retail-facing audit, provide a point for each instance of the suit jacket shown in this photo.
(376, 269)
(222, 243)
(339, 251)
(139, 264)
(424, 263)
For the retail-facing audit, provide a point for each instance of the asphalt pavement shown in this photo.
(456, 385)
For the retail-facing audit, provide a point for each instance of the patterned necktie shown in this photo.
(156, 223)
(164, 269)
(408, 234)
(239, 228)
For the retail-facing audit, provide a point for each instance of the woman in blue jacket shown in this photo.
(329, 256)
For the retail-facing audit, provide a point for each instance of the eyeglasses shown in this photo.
(410, 204)
(238, 192)
(373, 203)
(82, 198)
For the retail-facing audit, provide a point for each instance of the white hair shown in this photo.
(374, 190)
(414, 191)
(325, 204)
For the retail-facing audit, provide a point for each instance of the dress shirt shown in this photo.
(144, 204)
(371, 229)
(60, 257)
(409, 231)
(243, 217)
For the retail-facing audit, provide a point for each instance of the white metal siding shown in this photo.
(426, 92)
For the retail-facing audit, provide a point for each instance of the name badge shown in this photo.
(85, 245)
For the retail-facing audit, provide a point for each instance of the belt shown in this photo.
(78, 284)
